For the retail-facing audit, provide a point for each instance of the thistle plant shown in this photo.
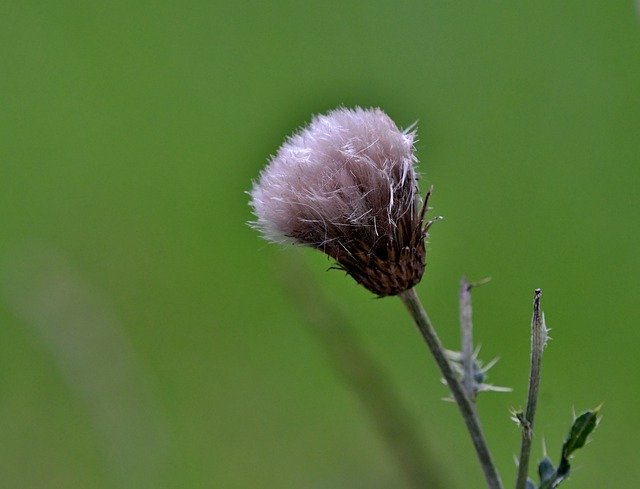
(347, 185)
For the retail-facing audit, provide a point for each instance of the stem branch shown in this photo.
(467, 408)
(466, 333)
(538, 338)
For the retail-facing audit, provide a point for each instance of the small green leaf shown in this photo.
(582, 427)
(580, 431)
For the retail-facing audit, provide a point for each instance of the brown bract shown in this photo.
(346, 185)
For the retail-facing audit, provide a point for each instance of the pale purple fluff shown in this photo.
(346, 184)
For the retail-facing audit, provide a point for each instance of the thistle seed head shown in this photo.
(346, 185)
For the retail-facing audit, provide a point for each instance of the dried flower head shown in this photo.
(346, 185)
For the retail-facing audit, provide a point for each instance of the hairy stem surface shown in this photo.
(467, 408)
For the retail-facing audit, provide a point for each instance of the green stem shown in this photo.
(538, 329)
(467, 409)
(466, 333)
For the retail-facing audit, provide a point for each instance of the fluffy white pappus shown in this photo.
(346, 184)
(348, 168)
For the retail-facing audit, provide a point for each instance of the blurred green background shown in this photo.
(145, 338)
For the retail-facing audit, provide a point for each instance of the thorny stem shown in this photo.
(466, 330)
(538, 332)
(467, 408)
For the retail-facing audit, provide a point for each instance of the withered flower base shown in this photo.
(392, 266)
